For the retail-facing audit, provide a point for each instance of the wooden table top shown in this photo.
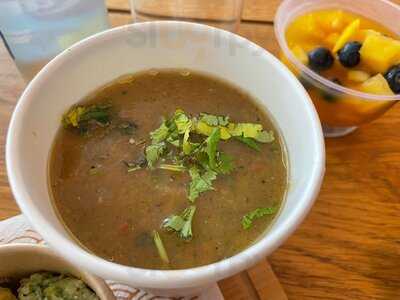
(349, 245)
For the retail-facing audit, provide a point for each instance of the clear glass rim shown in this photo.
(282, 20)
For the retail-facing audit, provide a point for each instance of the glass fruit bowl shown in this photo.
(341, 109)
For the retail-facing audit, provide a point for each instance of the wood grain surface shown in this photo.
(253, 10)
(349, 245)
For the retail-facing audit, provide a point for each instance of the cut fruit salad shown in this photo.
(347, 49)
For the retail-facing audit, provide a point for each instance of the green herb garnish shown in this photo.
(200, 182)
(80, 116)
(249, 142)
(182, 224)
(194, 152)
(184, 143)
(160, 134)
(160, 247)
(225, 163)
(247, 220)
(154, 152)
(175, 168)
(213, 120)
(211, 147)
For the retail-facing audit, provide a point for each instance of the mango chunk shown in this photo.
(358, 76)
(346, 35)
(376, 85)
(310, 30)
(300, 54)
(361, 35)
(331, 21)
(379, 52)
(332, 39)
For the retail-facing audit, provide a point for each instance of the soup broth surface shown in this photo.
(113, 212)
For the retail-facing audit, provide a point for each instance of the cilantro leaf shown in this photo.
(251, 130)
(225, 164)
(160, 134)
(213, 120)
(245, 129)
(182, 224)
(247, 220)
(265, 137)
(182, 121)
(186, 145)
(203, 128)
(153, 153)
(249, 142)
(200, 182)
(79, 116)
(160, 247)
(211, 146)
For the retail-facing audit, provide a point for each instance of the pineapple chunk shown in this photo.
(376, 85)
(346, 35)
(379, 52)
(357, 76)
(300, 54)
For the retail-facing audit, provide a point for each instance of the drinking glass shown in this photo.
(35, 31)
(224, 14)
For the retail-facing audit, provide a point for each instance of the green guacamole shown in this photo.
(49, 286)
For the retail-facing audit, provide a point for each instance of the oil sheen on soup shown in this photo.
(167, 169)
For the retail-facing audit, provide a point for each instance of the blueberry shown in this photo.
(320, 59)
(393, 78)
(349, 55)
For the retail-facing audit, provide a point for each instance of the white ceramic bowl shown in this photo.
(21, 260)
(101, 58)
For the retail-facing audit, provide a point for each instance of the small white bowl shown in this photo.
(21, 260)
(98, 60)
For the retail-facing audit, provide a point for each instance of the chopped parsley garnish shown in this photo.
(247, 220)
(160, 247)
(181, 224)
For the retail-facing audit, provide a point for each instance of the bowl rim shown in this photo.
(164, 279)
(95, 283)
(280, 29)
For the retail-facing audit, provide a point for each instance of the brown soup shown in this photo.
(115, 198)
